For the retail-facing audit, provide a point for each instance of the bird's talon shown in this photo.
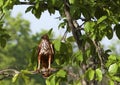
(38, 71)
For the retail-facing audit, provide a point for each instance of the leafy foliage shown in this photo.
(99, 19)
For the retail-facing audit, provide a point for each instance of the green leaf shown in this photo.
(28, 9)
(51, 10)
(79, 56)
(85, 12)
(77, 82)
(37, 14)
(69, 48)
(47, 82)
(90, 74)
(71, 39)
(113, 69)
(15, 77)
(1, 3)
(51, 80)
(111, 82)
(109, 32)
(6, 36)
(98, 73)
(3, 42)
(57, 44)
(61, 73)
(62, 25)
(37, 5)
(72, 1)
(112, 57)
(116, 78)
(53, 2)
(89, 26)
(50, 31)
(101, 19)
(117, 29)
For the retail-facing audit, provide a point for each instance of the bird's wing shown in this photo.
(52, 52)
(39, 48)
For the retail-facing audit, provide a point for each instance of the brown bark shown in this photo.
(76, 33)
(72, 24)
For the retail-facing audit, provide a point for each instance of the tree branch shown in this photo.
(26, 3)
(8, 73)
(11, 72)
(72, 24)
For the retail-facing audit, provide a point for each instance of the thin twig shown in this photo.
(99, 51)
(64, 36)
(26, 3)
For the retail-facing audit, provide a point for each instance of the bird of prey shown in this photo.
(45, 55)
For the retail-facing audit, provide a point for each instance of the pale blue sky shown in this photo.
(45, 22)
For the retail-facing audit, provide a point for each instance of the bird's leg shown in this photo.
(49, 62)
(38, 68)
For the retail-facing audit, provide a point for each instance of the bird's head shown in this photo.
(45, 36)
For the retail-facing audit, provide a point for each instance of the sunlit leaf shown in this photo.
(112, 57)
(57, 45)
(89, 26)
(101, 19)
(90, 74)
(71, 1)
(47, 82)
(78, 82)
(1, 3)
(61, 73)
(15, 77)
(113, 69)
(111, 82)
(98, 73)
(79, 56)
(51, 80)
(116, 78)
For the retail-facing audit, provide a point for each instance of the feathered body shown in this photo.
(45, 54)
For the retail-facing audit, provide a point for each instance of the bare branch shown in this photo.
(8, 70)
(8, 73)
(64, 36)
(99, 50)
